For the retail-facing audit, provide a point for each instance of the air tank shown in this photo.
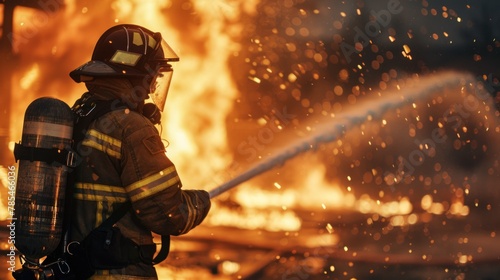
(41, 186)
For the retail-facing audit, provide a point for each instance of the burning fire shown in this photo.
(202, 87)
(376, 170)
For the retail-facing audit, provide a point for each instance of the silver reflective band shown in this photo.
(71, 159)
(48, 129)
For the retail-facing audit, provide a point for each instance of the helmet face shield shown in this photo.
(163, 75)
(159, 87)
(168, 52)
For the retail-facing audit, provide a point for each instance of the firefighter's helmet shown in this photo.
(131, 51)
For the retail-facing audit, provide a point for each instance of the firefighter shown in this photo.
(123, 158)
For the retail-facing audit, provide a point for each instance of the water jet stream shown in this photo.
(332, 130)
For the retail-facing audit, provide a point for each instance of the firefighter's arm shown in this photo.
(173, 212)
(155, 189)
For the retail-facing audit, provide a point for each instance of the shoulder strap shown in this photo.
(117, 214)
(87, 110)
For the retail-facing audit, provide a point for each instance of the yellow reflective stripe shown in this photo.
(98, 214)
(94, 197)
(157, 189)
(106, 138)
(150, 179)
(103, 143)
(99, 187)
(97, 192)
(153, 184)
(95, 145)
(191, 213)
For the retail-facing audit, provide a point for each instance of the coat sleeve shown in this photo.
(154, 188)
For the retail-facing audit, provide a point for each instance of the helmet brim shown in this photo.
(95, 68)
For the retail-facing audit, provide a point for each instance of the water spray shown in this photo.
(335, 129)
